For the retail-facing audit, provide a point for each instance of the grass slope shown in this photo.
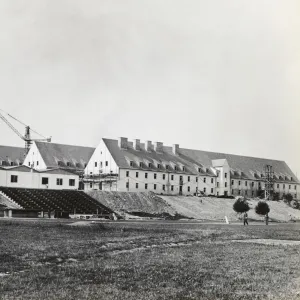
(217, 208)
(132, 202)
(51, 260)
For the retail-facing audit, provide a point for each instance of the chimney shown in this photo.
(136, 145)
(175, 149)
(123, 142)
(148, 146)
(158, 147)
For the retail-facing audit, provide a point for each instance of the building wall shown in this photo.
(34, 180)
(34, 159)
(101, 161)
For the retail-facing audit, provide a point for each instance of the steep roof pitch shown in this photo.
(10, 154)
(247, 167)
(21, 169)
(58, 155)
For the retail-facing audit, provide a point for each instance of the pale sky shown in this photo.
(212, 75)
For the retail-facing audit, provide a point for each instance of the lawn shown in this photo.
(49, 259)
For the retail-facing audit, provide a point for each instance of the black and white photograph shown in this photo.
(150, 150)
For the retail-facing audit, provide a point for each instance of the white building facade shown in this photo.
(120, 165)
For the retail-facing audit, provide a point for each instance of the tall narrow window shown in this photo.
(196, 179)
(146, 186)
(225, 184)
(95, 164)
(59, 181)
(154, 186)
(189, 178)
(106, 163)
(146, 175)
(204, 190)
(225, 175)
(127, 173)
(217, 184)
(164, 187)
(136, 185)
(232, 182)
(155, 175)
(136, 174)
(189, 189)
(204, 179)
(246, 183)
(164, 176)
(212, 190)
(127, 185)
(212, 180)
(172, 177)
(172, 188)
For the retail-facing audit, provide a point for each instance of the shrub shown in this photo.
(262, 208)
(276, 196)
(241, 205)
(288, 198)
(295, 204)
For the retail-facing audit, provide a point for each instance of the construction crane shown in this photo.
(27, 136)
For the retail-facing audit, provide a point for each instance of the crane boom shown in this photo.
(12, 127)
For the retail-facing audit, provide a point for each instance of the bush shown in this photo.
(262, 208)
(241, 205)
(295, 204)
(276, 196)
(288, 198)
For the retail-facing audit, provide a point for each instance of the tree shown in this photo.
(288, 198)
(262, 208)
(241, 205)
(276, 196)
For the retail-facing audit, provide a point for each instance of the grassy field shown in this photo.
(168, 260)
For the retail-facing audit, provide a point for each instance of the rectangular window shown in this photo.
(284, 186)
(212, 190)
(225, 184)
(146, 175)
(136, 185)
(172, 187)
(232, 192)
(155, 175)
(37, 162)
(212, 180)
(183, 168)
(146, 186)
(175, 168)
(239, 192)
(154, 186)
(252, 184)
(167, 167)
(239, 183)
(101, 164)
(71, 182)
(127, 185)
(295, 187)
(106, 163)
(246, 183)
(164, 176)
(172, 177)
(252, 193)
(28, 164)
(289, 186)
(189, 188)
(96, 164)
(150, 165)
(13, 178)
(141, 164)
(196, 179)
(189, 178)
(127, 173)
(204, 190)
(136, 174)
(91, 184)
(59, 181)
(204, 179)
(45, 180)
(218, 194)
(158, 166)
(164, 187)
(225, 175)
(278, 186)
(232, 182)
(217, 184)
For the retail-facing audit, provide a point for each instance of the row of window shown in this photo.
(45, 180)
(164, 177)
(259, 183)
(101, 164)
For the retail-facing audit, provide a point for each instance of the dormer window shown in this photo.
(167, 167)
(183, 168)
(141, 164)
(291, 178)
(131, 163)
(69, 164)
(150, 165)
(60, 163)
(199, 170)
(158, 166)
(77, 165)
(11, 163)
(175, 168)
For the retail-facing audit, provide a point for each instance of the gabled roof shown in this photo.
(66, 156)
(21, 169)
(58, 171)
(244, 165)
(10, 154)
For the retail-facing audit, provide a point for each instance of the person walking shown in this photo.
(245, 219)
(267, 219)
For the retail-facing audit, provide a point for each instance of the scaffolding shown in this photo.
(269, 182)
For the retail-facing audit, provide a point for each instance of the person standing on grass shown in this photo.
(245, 218)
(267, 219)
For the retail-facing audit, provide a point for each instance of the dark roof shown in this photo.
(21, 169)
(10, 154)
(66, 156)
(58, 171)
(241, 166)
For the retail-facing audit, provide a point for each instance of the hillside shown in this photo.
(122, 202)
(217, 208)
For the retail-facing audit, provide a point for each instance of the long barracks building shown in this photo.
(120, 165)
